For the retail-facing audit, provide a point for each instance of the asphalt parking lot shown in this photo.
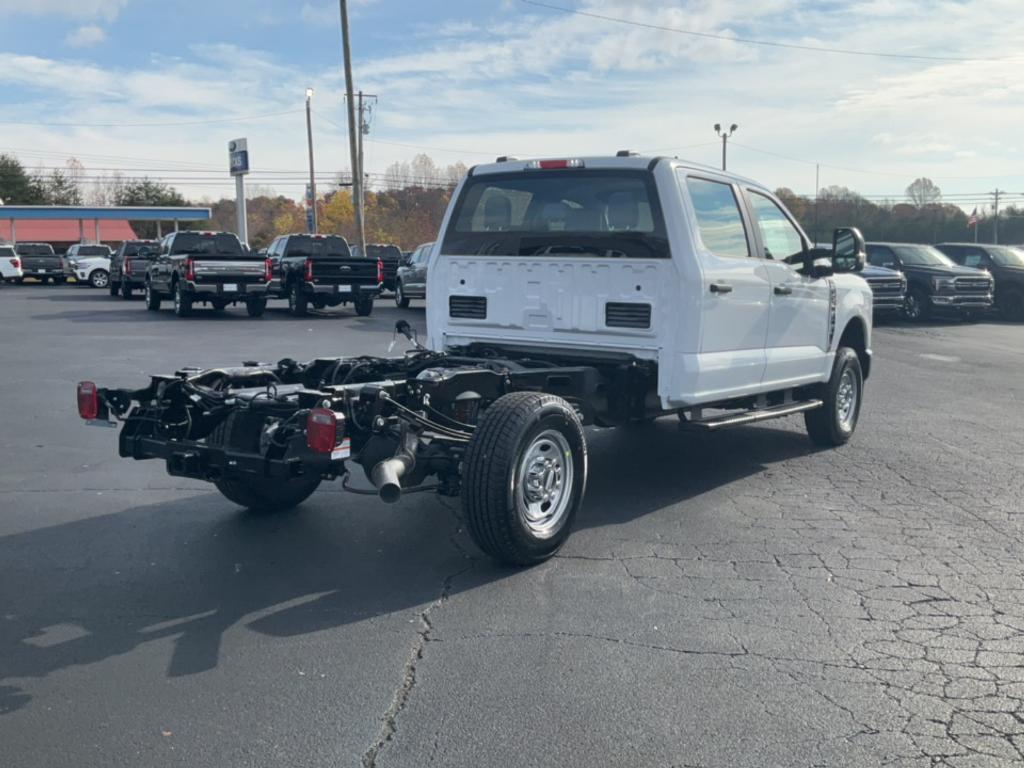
(729, 599)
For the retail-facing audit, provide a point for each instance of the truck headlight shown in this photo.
(944, 283)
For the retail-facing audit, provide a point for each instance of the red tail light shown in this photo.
(268, 270)
(88, 400)
(127, 266)
(321, 430)
(380, 271)
(309, 270)
(15, 263)
(190, 268)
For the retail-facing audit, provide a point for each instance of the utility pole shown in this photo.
(725, 138)
(312, 173)
(995, 217)
(353, 128)
(364, 108)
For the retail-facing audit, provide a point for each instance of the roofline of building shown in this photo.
(104, 213)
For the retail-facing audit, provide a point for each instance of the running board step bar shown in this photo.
(735, 419)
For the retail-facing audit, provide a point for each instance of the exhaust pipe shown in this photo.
(387, 476)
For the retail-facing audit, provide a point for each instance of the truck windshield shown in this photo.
(593, 213)
(221, 244)
(1007, 257)
(922, 256)
(304, 245)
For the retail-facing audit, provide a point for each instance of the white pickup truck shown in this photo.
(563, 293)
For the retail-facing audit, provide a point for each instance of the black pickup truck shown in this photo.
(128, 266)
(207, 267)
(389, 255)
(1005, 264)
(321, 270)
(935, 283)
(39, 261)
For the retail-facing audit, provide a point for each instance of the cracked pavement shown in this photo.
(729, 599)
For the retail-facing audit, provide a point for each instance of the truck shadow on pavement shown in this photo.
(193, 568)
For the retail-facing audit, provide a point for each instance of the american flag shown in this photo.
(973, 220)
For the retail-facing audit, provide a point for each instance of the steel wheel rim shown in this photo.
(847, 395)
(544, 482)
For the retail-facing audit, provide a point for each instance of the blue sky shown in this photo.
(464, 80)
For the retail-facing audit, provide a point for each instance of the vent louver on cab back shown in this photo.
(621, 314)
(468, 307)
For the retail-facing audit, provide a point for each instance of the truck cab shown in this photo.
(704, 275)
(321, 270)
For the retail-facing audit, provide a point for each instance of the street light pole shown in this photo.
(357, 181)
(312, 173)
(725, 138)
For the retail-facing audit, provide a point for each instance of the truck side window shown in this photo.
(780, 238)
(973, 257)
(718, 217)
(880, 256)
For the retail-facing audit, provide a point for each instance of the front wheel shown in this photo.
(524, 475)
(152, 298)
(99, 278)
(364, 307)
(401, 300)
(834, 422)
(916, 307)
(1011, 305)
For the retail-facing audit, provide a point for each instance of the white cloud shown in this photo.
(85, 36)
(76, 9)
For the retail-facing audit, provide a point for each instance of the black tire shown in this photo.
(45, 280)
(827, 425)
(113, 288)
(917, 308)
(19, 281)
(512, 430)
(1011, 304)
(219, 306)
(255, 307)
(401, 300)
(182, 301)
(126, 290)
(260, 494)
(59, 280)
(99, 278)
(363, 307)
(298, 302)
(152, 297)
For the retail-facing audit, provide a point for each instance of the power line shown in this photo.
(175, 123)
(750, 41)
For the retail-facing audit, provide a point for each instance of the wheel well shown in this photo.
(855, 337)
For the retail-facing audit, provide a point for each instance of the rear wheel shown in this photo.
(363, 307)
(255, 307)
(126, 289)
(524, 475)
(182, 301)
(298, 304)
(99, 278)
(114, 288)
(1011, 304)
(833, 424)
(260, 494)
(152, 298)
(401, 300)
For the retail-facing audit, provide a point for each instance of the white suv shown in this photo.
(10, 265)
(89, 264)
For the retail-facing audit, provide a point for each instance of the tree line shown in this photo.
(408, 208)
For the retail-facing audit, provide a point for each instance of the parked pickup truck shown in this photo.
(207, 267)
(88, 264)
(320, 270)
(389, 255)
(888, 290)
(128, 266)
(1005, 264)
(935, 283)
(562, 293)
(39, 261)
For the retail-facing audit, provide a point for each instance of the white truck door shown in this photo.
(798, 327)
(736, 293)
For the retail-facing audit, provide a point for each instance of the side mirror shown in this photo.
(849, 253)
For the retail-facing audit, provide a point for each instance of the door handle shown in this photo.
(783, 290)
(721, 288)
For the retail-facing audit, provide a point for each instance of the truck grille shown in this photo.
(622, 314)
(468, 307)
(973, 285)
(886, 286)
